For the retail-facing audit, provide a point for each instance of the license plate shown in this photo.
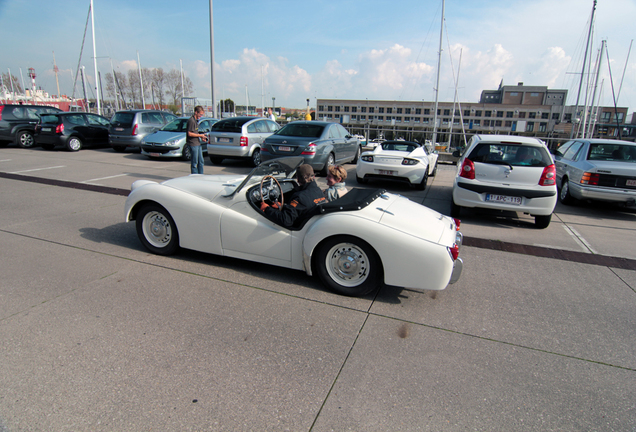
(119, 129)
(630, 182)
(155, 154)
(283, 148)
(503, 199)
(224, 140)
(46, 129)
(385, 172)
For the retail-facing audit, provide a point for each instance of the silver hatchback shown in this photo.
(239, 138)
(128, 128)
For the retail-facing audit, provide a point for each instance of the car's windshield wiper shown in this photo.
(501, 163)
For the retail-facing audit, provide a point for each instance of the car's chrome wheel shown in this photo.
(348, 265)
(256, 157)
(564, 193)
(74, 144)
(25, 139)
(330, 161)
(156, 230)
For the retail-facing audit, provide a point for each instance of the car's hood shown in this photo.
(412, 218)
(625, 168)
(164, 136)
(206, 186)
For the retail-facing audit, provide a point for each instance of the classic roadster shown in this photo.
(354, 244)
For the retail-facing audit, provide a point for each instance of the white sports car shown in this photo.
(354, 244)
(399, 160)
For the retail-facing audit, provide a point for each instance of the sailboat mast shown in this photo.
(587, 46)
(439, 62)
(99, 106)
(56, 70)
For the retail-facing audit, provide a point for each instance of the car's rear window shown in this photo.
(123, 119)
(395, 146)
(230, 125)
(301, 130)
(510, 154)
(50, 118)
(612, 152)
(178, 125)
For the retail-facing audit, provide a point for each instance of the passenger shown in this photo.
(303, 200)
(335, 180)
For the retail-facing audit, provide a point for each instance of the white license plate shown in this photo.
(503, 199)
(385, 172)
(46, 129)
(119, 129)
(283, 148)
(155, 154)
(630, 182)
(224, 140)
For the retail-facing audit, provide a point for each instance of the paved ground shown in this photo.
(96, 334)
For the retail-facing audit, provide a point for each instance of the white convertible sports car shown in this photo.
(354, 244)
(399, 160)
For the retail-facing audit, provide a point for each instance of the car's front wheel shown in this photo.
(156, 230)
(348, 265)
(74, 144)
(25, 139)
(542, 222)
(186, 153)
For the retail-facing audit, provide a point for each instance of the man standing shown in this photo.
(193, 138)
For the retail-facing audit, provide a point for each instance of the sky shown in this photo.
(319, 49)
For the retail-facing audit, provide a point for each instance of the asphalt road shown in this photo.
(97, 334)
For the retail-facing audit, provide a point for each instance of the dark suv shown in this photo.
(128, 128)
(17, 123)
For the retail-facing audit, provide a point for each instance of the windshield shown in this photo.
(178, 125)
(510, 154)
(612, 152)
(301, 130)
(281, 168)
(399, 146)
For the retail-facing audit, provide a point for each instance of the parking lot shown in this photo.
(98, 334)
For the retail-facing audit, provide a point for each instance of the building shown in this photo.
(517, 110)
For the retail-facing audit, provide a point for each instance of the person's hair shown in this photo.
(198, 108)
(305, 174)
(338, 172)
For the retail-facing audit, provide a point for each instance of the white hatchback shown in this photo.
(505, 172)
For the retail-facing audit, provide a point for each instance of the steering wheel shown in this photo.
(273, 189)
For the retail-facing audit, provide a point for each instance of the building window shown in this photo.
(498, 123)
(477, 123)
(380, 118)
(416, 119)
(427, 111)
(486, 123)
(398, 119)
(346, 109)
(389, 110)
(363, 109)
(466, 113)
(446, 112)
(425, 120)
(514, 94)
(487, 114)
(534, 94)
(330, 108)
(407, 119)
(418, 111)
(371, 110)
(337, 109)
(321, 108)
(522, 114)
(328, 116)
(545, 116)
(530, 127)
(407, 110)
(445, 120)
(336, 116)
(381, 110)
(509, 114)
(567, 117)
(363, 117)
(542, 127)
(354, 109)
(478, 113)
(532, 115)
(618, 117)
(508, 123)
(500, 114)
(399, 111)
(555, 116)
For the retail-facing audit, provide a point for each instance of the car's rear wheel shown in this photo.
(542, 222)
(348, 265)
(119, 149)
(216, 160)
(361, 180)
(434, 170)
(25, 139)
(455, 209)
(564, 193)
(256, 158)
(48, 146)
(330, 161)
(186, 154)
(422, 185)
(74, 144)
(357, 156)
(156, 230)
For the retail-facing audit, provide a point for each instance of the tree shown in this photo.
(227, 105)
(173, 86)
(11, 83)
(133, 86)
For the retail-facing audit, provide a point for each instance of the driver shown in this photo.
(307, 196)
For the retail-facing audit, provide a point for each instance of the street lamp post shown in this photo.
(274, 105)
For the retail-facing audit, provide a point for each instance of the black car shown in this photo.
(73, 130)
(17, 123)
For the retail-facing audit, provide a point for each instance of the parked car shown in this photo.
(72, 130)
(596, 169)
(506, 173)
(17, 123)
(129, 127)
(170, 140)
(405, 161)
(354, 244)
(322, 144)
(239, 138)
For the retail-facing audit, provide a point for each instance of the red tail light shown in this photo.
(548, 177)
(457, 223)
(468, 170)
(454, 251)
(59, 128)
(1, 108)
(310, 149)
(134, 132)
(243, 141)
(590, 179)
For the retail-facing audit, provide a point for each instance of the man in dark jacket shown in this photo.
(303, 200)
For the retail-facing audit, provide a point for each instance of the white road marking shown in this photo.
(102, 178)
(6, 160)
(578, 238)
(37, 169)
